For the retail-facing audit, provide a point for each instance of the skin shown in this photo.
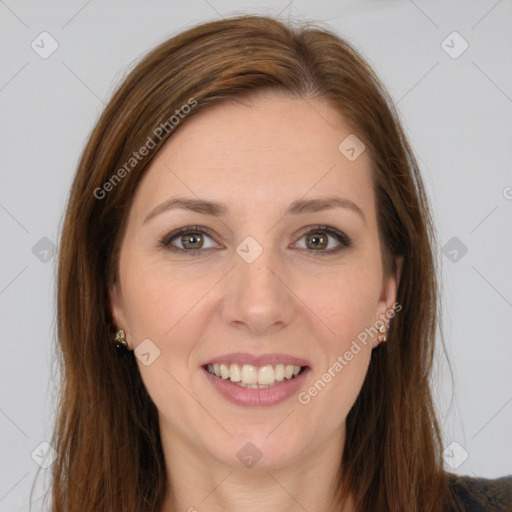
(257, 159)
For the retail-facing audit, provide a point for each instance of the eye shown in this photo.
(188, 239)
(317, 239)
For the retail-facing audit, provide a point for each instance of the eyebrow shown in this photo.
(216, 209)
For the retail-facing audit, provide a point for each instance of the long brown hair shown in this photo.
(107, 435)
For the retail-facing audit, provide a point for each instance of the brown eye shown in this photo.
(188, 239)
(317, 241)
(192, 241)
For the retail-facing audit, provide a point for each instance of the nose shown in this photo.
(258, 298)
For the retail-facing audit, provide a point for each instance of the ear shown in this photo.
(388, 296)
(117, 309)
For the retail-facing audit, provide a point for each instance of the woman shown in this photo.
(247, 297)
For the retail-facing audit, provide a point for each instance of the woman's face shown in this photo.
(232, 256)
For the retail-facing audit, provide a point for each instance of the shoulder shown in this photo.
(473, 494)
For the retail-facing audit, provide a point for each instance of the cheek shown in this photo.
(347, 304)
(167, 306)
(158, 297)
(162, 305)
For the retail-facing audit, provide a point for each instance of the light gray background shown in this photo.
(457, 113)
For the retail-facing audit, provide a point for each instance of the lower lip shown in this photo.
(261, 397)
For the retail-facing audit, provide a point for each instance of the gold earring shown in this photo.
(384, 335)
(120, 340)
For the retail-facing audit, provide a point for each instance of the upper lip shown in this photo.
(257, 360)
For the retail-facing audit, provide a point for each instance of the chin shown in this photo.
(258, 450)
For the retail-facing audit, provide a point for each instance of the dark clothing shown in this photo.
(471, 494)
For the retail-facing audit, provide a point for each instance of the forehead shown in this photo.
(273, 146)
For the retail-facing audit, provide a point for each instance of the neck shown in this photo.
(199, 483)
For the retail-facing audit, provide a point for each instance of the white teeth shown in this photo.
(249, 374)
(224, 371)
(266, 375)
(234, 373)
(252, 377)
(279, 372)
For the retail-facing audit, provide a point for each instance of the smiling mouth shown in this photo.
(255, 377)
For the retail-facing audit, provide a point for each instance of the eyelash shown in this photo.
(345, 242)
